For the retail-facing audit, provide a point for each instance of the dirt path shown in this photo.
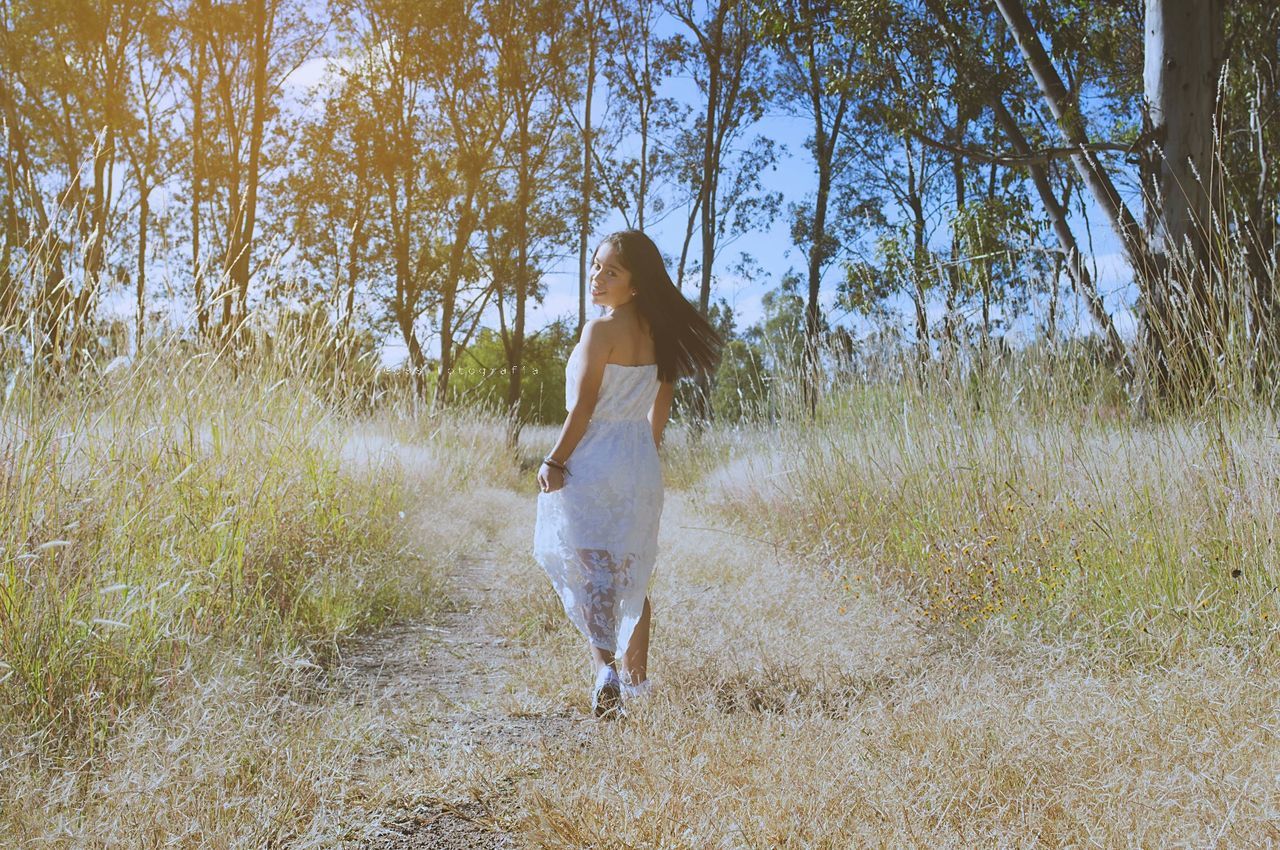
(451, 671)
(489, 693)
(794, 707)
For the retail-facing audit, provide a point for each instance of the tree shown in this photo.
(65, 101)
(979, 83)
(732, 73)
(389, 78)
(535, 216)
(904, 71)
(251, 49)
(334, 199)
(476, 120)
(446, 138)
(1174, 345)
(635, 67)
(1183, 54)
(820, 76)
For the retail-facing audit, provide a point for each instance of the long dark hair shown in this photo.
(684, 340)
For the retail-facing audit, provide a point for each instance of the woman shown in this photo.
(597, 528)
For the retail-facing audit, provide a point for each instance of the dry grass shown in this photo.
(810, 690)
(185, 546)
(1033, 498)
(791, 713)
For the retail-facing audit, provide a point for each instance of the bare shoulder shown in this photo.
(621, 329)
(602, 324)
(598, 337)
(604, 329)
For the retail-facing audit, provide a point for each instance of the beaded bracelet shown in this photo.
(555, 464)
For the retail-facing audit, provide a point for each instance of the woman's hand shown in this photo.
(550, 479)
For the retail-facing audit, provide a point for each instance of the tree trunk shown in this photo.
(955, 276)
(1180, 75)
(710, 166)
(248, 220)
(353, 266)
(919, 250)
(985, 274)
(95, 253)
(710, 172)
(457, 252)
(688, 240)
(516, 350)
(404, 305)
(584, 222)
(144, 215)
(197, 178)
(646, 104)
(824, 148)
(1183, 53)
(9, 289)
(1072, 127)
(1260, 229)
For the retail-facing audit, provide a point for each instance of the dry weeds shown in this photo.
(788, 711)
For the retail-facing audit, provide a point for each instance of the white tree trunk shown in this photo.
(1183, 53)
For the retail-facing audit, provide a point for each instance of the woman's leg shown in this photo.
(598, 607)
(599, 658)
(636, 659)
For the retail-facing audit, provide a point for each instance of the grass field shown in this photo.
(947, 613)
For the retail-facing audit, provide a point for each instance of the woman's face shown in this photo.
(610, 282)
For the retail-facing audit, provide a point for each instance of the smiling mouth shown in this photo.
(597, 292)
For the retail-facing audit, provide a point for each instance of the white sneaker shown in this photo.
(606, 696)
(637, 691)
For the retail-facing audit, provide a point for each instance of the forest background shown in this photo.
(421, 180)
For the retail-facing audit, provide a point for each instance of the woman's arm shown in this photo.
(596, 347)
(661, 410)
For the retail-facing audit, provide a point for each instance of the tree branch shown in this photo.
(1035, 157)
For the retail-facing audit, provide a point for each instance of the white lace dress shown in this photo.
(597, 536)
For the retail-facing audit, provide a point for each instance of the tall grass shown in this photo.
(180, 503)
(1027, 488)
